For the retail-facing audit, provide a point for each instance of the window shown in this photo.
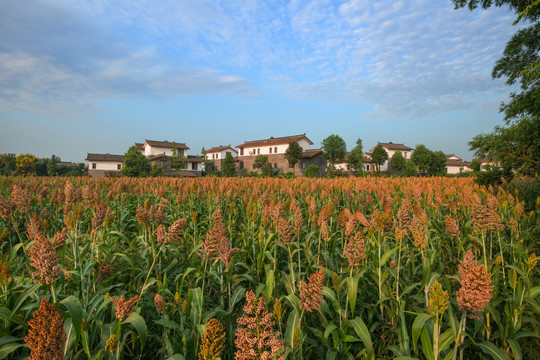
(275, 165)
(181, 152)
(270, 150)
(258, 151)
(241, 164)
(275, 150)
(93, 165)
(367, 167)
(118, 166)
(194, 166)
(242, 151)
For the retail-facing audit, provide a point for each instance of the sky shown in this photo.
(96, 76)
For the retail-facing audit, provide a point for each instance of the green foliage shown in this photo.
(379, 156)
(397, 162)
(261, 162)
(228, 167)
(411, 169)
(294, 153)
(474, 165)
(135, 163)
(422, 158)
(334, 148)
(157, 171)
(26, 164)
(178, 161)
(312, 171)
(438, 163)
(356, 158)
(8, 164)
(52, 165)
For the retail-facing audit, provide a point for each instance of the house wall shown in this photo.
(264, 149)
(279, 162)
(104, 165)
(220, 155)
(155, 150)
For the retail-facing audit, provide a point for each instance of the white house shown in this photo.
(153, 148)
(100, 165)
(273, 145)
(218, 153)
(391, 149)
(366, 163)
(456, 165)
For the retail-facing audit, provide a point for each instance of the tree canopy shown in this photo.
(515, 146)
(334, 148)
(228, 168)
(294, 153)
(356, 157)
(397, 162)
(262, 163)
(135, 163)
(422, 157)
(379, 156)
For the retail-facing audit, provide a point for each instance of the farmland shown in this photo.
(249, 268)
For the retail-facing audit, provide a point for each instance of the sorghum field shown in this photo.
(410, 268)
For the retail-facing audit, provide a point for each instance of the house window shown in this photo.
(258, 151)
(118, 166)
(93, 165)
(367, 167)
(275, 150)
(193, 166)
(241, 164)
(270, 150)
(242, 151)
(275, 165)
(181, 152)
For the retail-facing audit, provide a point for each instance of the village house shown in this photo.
(456, 165)
(101, 165)
(367, 165)
(274, 149)
(217, 154)
(390, 149)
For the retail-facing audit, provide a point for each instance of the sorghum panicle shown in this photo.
(46, 336)
(311, 291)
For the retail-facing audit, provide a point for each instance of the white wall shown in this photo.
(104, 165)
(154, 150)
(220, 155)
(264, 149)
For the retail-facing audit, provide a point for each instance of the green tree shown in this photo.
(8, 164)
(228, 168)
(294, 153)
(356, 158)
(26, 164)
(397, 161)
(438, 163)
(334, 149)
(474, 165)
(178, 161)
(312, 171)
(379, 156)
(515, 145)
(135, 163)
(52, 165)
(262, 163)
(422, 158)
(411, 169)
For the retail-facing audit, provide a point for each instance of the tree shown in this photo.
(334, 149)
(52, 165)
(294, 153)
(474, 165)
(157, 171)
(228, 168)
(356, 157)
(25, 164)
(262, 163)
(438, 163)
(135, 163)
(379, 156)
(422, 158)
(411, 169)
(515, 145)
(8, 164)
(397, 162)
(177, 161)
(312, 171)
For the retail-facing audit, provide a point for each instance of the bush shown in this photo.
(312, 171)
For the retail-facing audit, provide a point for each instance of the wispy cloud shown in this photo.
(406, 58)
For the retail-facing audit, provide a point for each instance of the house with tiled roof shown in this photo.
(456, 165)
(274, 148)
(217, 154)
(101, 165)
(391, 149)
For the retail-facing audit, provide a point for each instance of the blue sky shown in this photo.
(97, 76)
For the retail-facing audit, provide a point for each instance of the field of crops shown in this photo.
(425, 268)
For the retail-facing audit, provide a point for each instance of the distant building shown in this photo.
(217, 154)
(456, 165)
(274, 149)
(101, 165)
(391, 149)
